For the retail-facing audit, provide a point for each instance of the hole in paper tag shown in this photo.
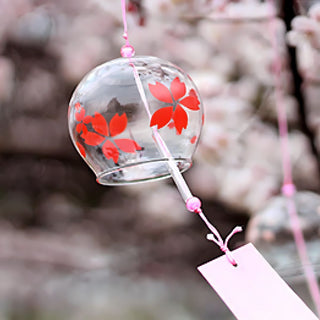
(254, 290)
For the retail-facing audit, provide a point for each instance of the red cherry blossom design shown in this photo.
(110, 151)
(118, 124)
(79, 116)
(81, 149)
(79, 127)
(160, 92)
(177, 88)
(180, 119)
(91, 138)
(176, 99)
(103, 133)
(193, 140)
(99, 123)
(161, 117)
(80, 112)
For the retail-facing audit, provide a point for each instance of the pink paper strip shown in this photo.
(253, 290)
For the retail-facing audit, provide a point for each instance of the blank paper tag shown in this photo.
(253, 290)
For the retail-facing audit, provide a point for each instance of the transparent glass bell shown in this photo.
(113, 115)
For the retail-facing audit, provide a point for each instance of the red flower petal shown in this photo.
(138, 147)
(180, 119)
(77, 106)
(177, 88)
(81, 149)
(79, 127)
(118, 124)
(127, 145)
(161, 117)
(110, 151)
(193, 93)
(193, 139)
(191, 102)
(80, 112)
(99, 124)
(161, 92)
(87, 119)
(91, 138)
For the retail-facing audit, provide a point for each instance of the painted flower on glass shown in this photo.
(104, 134)
(173, 114)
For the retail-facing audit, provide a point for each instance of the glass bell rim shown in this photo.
(183, 165)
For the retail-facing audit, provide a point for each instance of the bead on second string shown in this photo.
(288, 189)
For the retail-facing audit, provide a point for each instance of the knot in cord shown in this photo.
(216, 238)
(193, 204)
(224, 248)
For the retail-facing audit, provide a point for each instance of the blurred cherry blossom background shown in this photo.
(72, 249)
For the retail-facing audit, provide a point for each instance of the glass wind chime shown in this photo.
(139, 118)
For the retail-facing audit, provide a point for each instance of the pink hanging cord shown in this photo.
(288, 188)
(193, 204)
(127, 51)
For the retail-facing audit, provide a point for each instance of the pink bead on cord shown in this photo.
(193, 204)
(127, 51)
(288, 189)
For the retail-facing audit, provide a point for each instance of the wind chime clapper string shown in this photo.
(193, 204)
(288, 187)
